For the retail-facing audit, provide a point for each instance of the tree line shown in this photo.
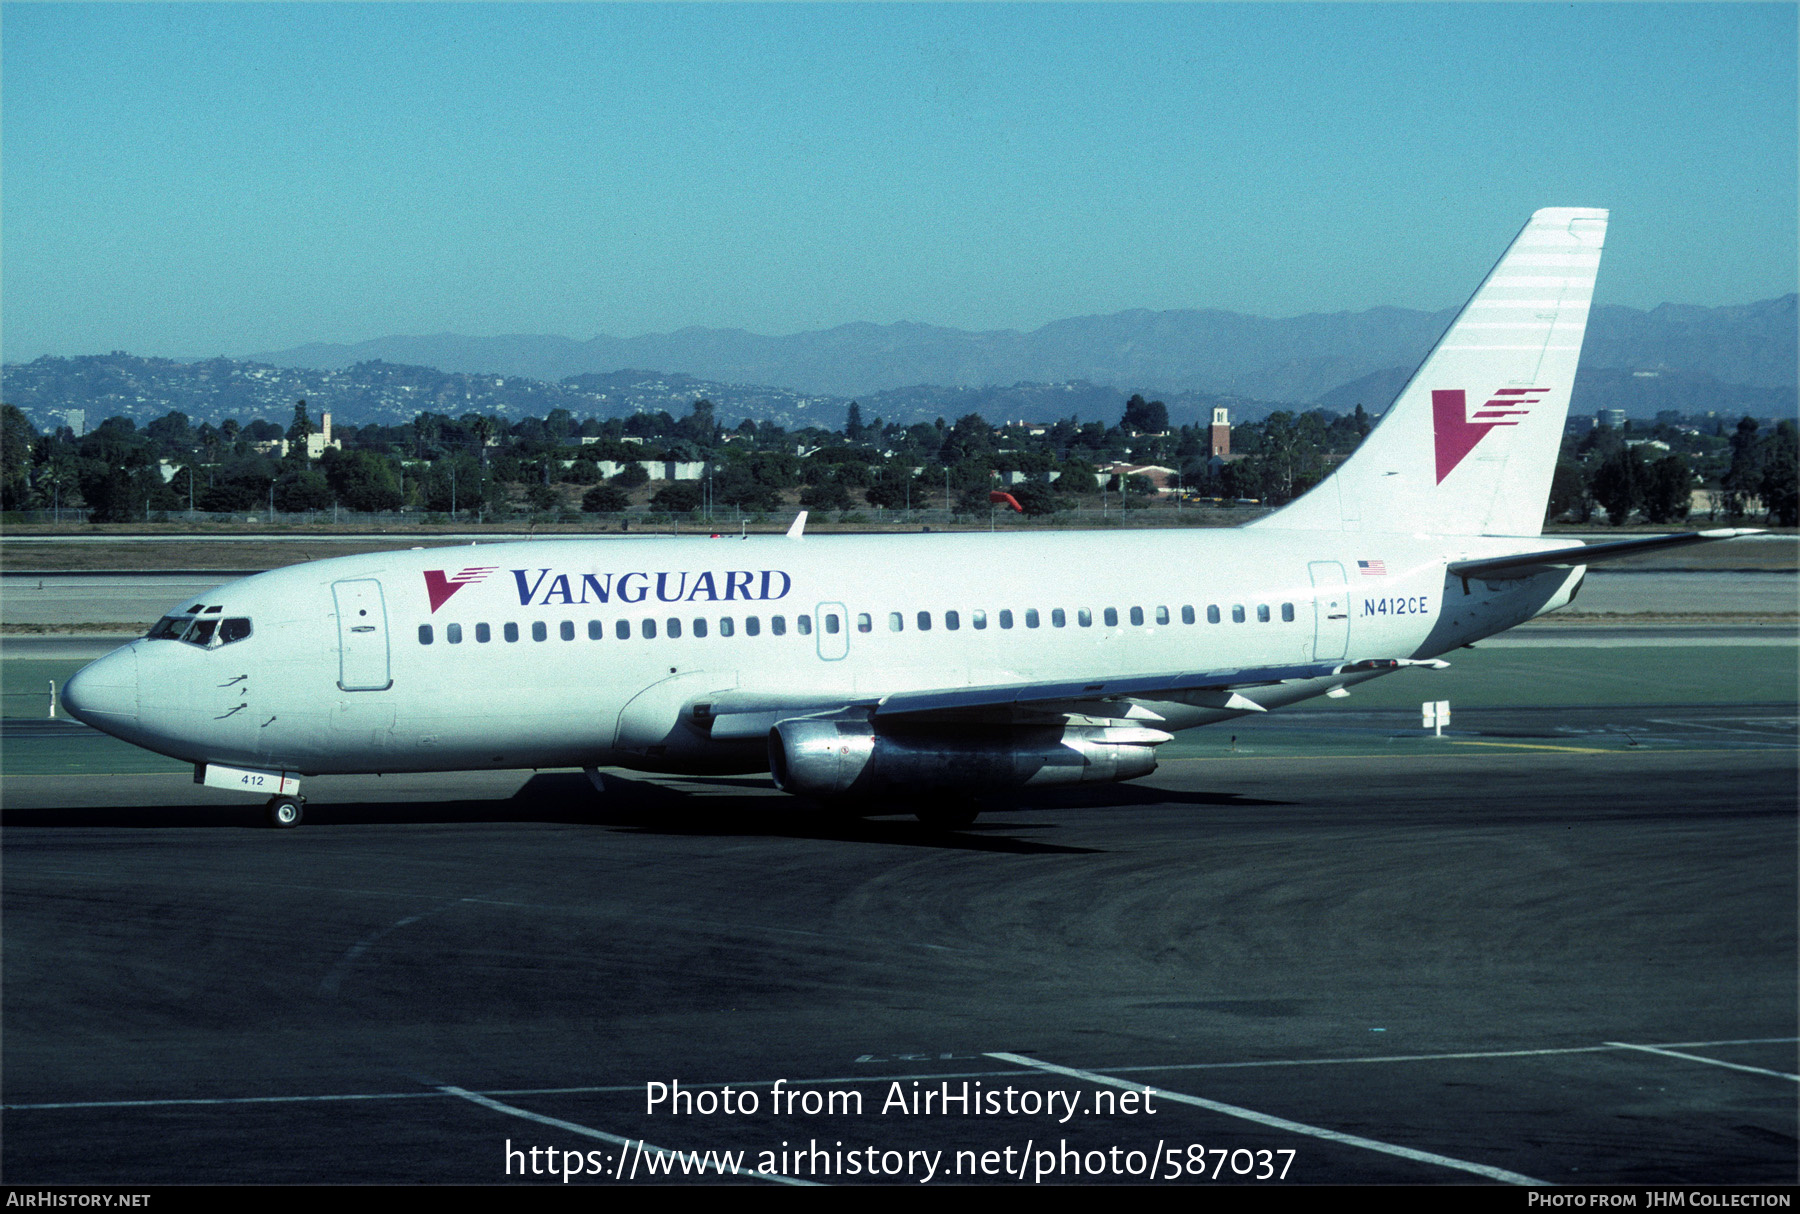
(483, 466)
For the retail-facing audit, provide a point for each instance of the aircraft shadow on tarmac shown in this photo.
(706, 807)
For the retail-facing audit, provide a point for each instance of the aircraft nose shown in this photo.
(104, 692)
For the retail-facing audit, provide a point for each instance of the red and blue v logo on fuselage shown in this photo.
(439, 588)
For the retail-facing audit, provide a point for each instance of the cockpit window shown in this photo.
(169, 628)
(206, 633)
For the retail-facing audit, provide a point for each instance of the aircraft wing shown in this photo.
(1525, 564)
(741, 714)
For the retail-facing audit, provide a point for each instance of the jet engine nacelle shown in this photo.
(827, 758)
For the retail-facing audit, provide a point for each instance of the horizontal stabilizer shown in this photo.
(1525, 564)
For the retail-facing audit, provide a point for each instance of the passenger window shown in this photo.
(979, 619)
(1287, 613)
(1262, 613)
(803, 624)
(647, 630)
(482, 634)
(752, 625)
(674, 627)
(863, 622)
(622, 629)
(1137, 615)
(453, 633)
(567, 631)
(1237, 613)
(924, 621)
(1057, 618)
(1111, 617)
(895, 623)
(1187, 613)
(1085, 618)
(1162, 615)
(700, 626)
(1006, 618)
(1031, 617)
(538, 631)
(424, 634)
(726, 627)
(831, 624)
(510, 632)
(596, 630)
(952, 620)
(1212, 615)
(778, 625)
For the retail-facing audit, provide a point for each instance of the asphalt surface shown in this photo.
(1558, 946)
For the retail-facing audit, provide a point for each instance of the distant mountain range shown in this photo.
(1693, 360)
(124, 385)
(1297, 359)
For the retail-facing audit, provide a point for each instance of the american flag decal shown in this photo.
(1372, 568)
(439, 588)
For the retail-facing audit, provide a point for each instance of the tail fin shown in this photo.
(1469, 446)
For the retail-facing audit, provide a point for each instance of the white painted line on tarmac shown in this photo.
(635, 1147)
(1734, 1066)
(1262, 1062)
(334, 977)
(1768, 724)
(1282, 1123)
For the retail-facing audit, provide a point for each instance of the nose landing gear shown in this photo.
(286, 812)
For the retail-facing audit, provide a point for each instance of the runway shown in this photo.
(1546, 949)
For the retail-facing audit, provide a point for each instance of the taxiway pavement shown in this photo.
(1556, 960)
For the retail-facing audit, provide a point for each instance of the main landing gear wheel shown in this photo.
(285, 812)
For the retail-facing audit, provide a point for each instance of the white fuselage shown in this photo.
(595, 652)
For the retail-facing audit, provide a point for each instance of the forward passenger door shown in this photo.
(362, 636)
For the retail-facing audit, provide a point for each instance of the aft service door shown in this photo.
(1331, 611)
(831, 624)
(362, 636)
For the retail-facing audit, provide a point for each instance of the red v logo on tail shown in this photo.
(1455, 434)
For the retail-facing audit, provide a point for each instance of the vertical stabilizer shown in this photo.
(1469, 446)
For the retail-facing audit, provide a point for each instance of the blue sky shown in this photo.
(197, 179)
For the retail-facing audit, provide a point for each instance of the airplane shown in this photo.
(918, 669)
